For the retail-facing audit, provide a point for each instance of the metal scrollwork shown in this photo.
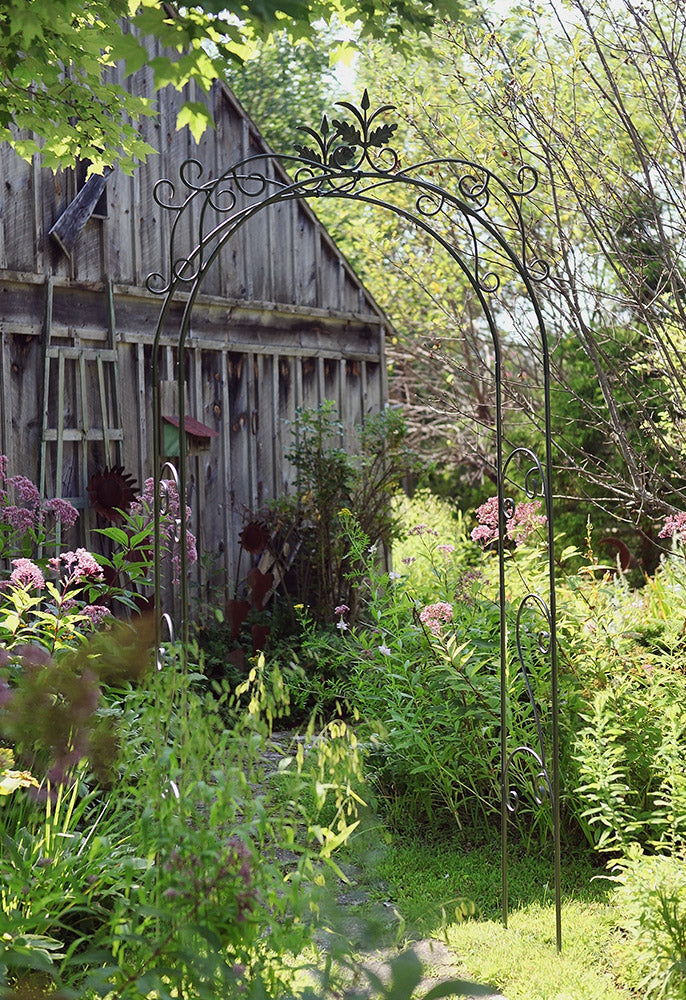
(478, 219)
(534, 477)
(346, 145)
(542, 785)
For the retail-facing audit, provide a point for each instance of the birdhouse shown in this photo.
(198, 436)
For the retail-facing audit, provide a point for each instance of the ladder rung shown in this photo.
(94, 434)
(89, 353)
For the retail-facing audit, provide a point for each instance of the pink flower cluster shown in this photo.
(96, 613)
(523, 523)
(170, 520)
(674, 526)
(26, 574)
(80, 565)
(29, 513)
(63, 512)
(435, 616)
(423, 529)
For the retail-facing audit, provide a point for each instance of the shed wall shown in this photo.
(282, 322)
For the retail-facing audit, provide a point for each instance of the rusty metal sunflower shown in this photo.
(111, 491)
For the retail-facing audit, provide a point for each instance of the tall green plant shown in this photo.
(331, 487)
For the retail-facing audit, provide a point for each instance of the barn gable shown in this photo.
(282, 322)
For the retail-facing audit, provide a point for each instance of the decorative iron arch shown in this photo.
(352, 158)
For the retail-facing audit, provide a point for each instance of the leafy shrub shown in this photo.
(424, 679)
(652, 903)
(631, 759)
(331, 486)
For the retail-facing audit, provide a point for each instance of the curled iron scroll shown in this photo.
(165, 495)
(543, 788)
(538, 755)
(534, 478)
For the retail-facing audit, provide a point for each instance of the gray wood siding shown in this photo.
(281, 322)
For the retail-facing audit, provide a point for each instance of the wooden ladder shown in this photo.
(86, 430)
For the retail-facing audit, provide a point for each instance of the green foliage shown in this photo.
(652, 903)
(341, 506)
(55, 56)
(282, 87)
(519, 87)
(630, 752)
(418, 665)
(62, 861)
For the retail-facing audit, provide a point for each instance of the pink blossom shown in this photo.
(80, 564)
(170, 518)
(466, 586)
(63, 512)
(26, 574)
(408, 560)
(434, 616)
(487, 516)
(25, 489)
(96, 613)
(3, 468)
(22, 519)
(525, 521)
(520, 526)
(423, 529)
(674, 526)
(191, 546)
(445, 549)
(342, 609)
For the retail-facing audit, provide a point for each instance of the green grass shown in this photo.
(522, 962)
(428, 876)
(427, 883)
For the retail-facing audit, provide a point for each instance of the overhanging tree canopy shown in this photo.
(54, 54)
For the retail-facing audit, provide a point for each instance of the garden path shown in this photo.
(366, 917)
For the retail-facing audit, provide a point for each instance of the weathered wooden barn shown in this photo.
(282, 322)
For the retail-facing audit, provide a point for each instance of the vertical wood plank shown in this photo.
(253, 420)
(321, 382)
(3, 249)
(363, 390)
(143, 460)
(7, 436)
(287, 403)
(203, 531)
(60, 428)
(38, 222)
(85, 426)
(227, 468)
(276, 436)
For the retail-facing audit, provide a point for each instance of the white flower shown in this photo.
(342, 626)
(395, 576)
(384, 650)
